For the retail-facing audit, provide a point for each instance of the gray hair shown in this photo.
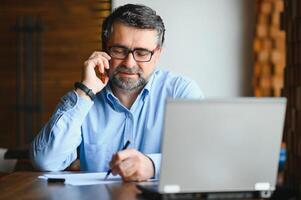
(134, 15)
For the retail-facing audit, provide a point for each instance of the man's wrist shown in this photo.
(83, 91)
(153, 164)
(82, 94)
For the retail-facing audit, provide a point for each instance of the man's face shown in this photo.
(129, 74)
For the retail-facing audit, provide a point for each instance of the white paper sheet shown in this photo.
(83, 178)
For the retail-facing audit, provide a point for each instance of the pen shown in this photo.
(124, 147)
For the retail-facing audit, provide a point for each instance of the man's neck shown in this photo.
(127, 98)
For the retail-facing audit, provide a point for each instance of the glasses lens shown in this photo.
(119, 52)
(142, 55)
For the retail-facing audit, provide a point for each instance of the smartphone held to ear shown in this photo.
(103, 77)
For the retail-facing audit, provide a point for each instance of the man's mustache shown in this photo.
(124, 69)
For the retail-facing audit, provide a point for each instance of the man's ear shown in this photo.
(157, 55)
(159, 52)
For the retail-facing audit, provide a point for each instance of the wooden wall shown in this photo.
(268, 48)
(292, 90)
(43, 45)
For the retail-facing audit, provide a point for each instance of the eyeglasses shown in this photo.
(139, 54)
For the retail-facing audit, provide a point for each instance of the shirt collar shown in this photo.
(109, 94)
(149, 84)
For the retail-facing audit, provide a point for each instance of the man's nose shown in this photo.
(129, 61)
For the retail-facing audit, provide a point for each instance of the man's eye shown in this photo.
(142, 53)
(119, 51)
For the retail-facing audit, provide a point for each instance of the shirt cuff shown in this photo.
(156, 159)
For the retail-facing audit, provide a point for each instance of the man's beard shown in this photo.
(125, 83)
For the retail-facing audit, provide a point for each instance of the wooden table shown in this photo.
(26, 185)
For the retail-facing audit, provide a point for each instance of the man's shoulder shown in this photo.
(167, 77)
(177, 85)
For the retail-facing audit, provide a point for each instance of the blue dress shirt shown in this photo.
(101, 127)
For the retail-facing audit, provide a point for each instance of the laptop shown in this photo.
(221, 146)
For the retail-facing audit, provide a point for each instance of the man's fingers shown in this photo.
(121, 155)
(124, 154)
(121, 167)
(120, 161)
(100, 68)
(99, 63)
(125, 169)
(99, 59)
(132, 165)
(106, 64)
(100, 54)
(103, 63)
(94, 71)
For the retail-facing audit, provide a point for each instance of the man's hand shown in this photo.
(132, 165)
(97, 63)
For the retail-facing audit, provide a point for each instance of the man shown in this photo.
(128, 106)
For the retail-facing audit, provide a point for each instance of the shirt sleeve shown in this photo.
(54, 148)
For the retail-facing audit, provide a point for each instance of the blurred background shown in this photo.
(230, 47)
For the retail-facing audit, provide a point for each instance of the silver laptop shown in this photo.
(221, 145)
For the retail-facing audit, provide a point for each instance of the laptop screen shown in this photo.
(221, 145)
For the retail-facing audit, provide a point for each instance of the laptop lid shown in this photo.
(216, 145)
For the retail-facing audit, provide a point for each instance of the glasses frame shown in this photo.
(132, 51)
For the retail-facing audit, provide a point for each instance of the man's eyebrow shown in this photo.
(143, 49)
(122, 46)
(119, 45)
